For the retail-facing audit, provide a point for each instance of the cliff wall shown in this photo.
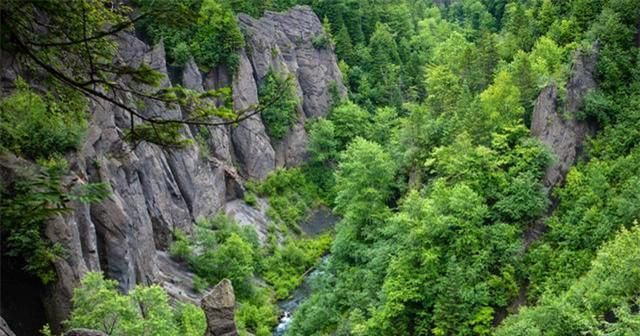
(158, 190)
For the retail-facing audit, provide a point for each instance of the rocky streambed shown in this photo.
(319, 221)
(298, 296)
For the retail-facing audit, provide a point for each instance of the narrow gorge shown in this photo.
(155, 190)
(319, 167)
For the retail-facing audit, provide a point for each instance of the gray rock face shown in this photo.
(155, 191)
(557, 126)
(551, 129)
(84, 332)
(176, 279)
(246, 215)
(250, 139)
(282, 42)
(191, 76)
(219, 306)
(57, 296)
(292, 150)
(4, 328)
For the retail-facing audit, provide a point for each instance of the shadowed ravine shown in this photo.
(298, 296)
(319, 221)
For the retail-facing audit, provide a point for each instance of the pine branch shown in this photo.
(243, 115)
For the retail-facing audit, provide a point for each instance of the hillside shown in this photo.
(176, 167)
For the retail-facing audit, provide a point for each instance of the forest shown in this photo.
(452, 221)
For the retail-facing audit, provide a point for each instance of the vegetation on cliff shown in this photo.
(98, 305)
(447, 226)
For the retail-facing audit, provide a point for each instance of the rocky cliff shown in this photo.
(156, 190)
(556, 124)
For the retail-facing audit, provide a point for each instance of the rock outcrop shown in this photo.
(155, 191)
(246, 215)
(283, 43)
(219, 307)
(4, 328)
(557, 125)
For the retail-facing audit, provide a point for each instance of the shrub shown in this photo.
(190, 319)
(232, 259)
(219, 249)
(97, 304)
(250, 198)
(181, 247)
(37, 127)
(349, 121)
(257, 314)
(213, 38)
(27, 201)
(322, 141)
(284, 269)
(199, 284)
(281, 100)
(290, 196)
(322, 41)
(217, 37)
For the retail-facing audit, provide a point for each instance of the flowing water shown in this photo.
(319, 221)
(297, 297)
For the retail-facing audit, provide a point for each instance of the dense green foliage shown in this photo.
(279, 116)
(97, 304)
(219, 248)
(601, 302)
(284, 268)
(437, 179)
(290, 197)
(38, 127)
(212, 38)
(429, 162)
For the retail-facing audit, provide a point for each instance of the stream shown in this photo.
(319, 221)
(297, 297)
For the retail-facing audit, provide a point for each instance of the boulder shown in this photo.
(219, 307)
